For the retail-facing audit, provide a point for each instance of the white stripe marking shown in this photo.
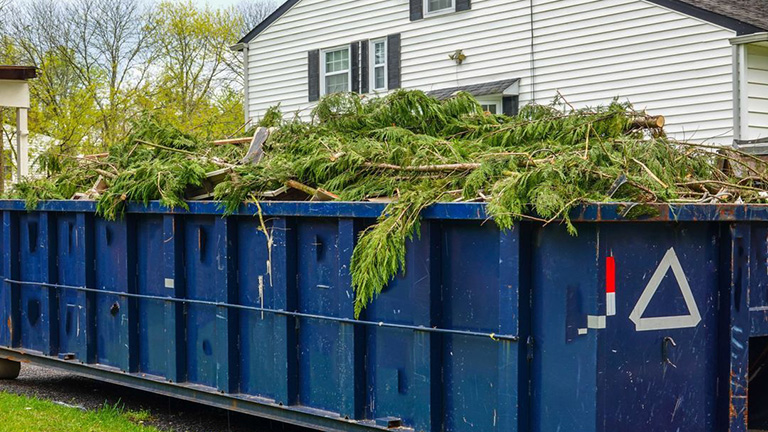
(669, 262)
(610, 303)
(596, 322)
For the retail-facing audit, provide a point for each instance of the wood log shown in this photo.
(105, 173)
(256, 150)
(302, 187)
(244, 140)
(316, 194)
(95, 156)
(649, 122)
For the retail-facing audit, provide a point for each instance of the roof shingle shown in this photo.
(483, 89)
(744, 16)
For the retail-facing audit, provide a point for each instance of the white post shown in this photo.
(22, 144)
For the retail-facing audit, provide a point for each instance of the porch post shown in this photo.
(22, 144)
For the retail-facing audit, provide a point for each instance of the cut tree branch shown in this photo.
(425, 168)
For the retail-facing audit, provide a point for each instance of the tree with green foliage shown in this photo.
(193, 88)
(107, 44)
(102, 63)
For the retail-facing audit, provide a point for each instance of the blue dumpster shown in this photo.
(633, 325)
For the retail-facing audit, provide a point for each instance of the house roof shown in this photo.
(484, 89)
(17, 73)
(285, 7)
(742, 16)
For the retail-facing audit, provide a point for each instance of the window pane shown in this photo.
(336, 83)
(489, 108)
(378, 73)
(437, 5)
(336, 61)
(379, 56)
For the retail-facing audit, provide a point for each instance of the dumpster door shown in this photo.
(657, 355)
(625, 328)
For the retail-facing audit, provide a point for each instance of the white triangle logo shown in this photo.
(670, 261)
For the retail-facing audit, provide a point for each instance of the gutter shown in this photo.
(240, 46)
(748, 39)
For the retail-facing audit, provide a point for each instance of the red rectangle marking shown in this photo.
(610, 275)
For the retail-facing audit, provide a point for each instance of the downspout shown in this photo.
(533, 58)
(737, 79)
(243, 49)
(246, 94)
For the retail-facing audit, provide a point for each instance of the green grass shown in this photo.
(24, 414)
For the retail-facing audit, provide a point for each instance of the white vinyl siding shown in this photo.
(757, 92)
(590, 50)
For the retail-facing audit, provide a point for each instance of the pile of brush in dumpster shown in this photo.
(410, 151)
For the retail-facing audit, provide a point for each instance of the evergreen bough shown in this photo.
(419, 151)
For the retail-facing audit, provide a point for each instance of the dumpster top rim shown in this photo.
(606, 212)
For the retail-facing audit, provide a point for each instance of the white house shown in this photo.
(703, 64)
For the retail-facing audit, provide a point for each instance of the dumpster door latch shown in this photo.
(665, 345)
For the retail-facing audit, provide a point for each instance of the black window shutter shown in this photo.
(314, 75)
(417, 10)
(462, 5)
(393, 62)
(354, 53)
(510, 105)
(364, 72)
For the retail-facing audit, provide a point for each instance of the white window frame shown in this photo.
(323, 64)
(450, 9)
(492, 100)
(372, 65)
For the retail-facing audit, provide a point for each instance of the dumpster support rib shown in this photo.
(737, 282)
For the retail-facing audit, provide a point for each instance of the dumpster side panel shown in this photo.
(205, 325)
(403, 366)
(72, 304)
(150, 280)
(38, 315)
(470, 301)
(256, 287)
(114, 258)
(319, 293)
(564, 367)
